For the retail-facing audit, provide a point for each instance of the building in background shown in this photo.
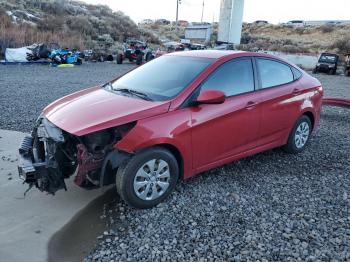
(199, 32)
(230, 23)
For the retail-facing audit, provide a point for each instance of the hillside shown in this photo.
(270, 37)
(72, 24)
(297, 39)
(75, 24)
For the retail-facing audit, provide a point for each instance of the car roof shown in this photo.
(329, 54)
(219, 54)
(214, 54)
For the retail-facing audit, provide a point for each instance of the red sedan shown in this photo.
(174, 117)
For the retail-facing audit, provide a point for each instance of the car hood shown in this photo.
(95, 109)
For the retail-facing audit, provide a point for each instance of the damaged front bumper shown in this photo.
(38, 153)
(51, 155)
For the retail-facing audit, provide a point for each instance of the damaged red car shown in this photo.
(174, 117)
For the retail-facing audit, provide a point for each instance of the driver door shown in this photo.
(221, 131)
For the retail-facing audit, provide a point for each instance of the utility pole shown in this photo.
(178, 2)
(202, 12)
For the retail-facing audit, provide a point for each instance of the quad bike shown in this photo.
(137, 51)
(327, 63)
(347, 65)
(64, 56)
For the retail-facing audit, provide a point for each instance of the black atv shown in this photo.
(135, 51)
(327, 63)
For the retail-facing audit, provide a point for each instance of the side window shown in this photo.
(273, 73)
(297, 73)
(233, 78)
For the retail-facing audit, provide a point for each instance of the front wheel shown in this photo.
(300, 135)
(347, 72)
(119, 59)
(79, 61)
(149, 56)
(333, 71)
(139, 59)
(147, 178)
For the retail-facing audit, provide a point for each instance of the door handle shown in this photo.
(296, 91)
(250, 104)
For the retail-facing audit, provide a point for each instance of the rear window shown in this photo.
(273, 73)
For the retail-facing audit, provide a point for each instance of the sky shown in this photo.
(274, 11)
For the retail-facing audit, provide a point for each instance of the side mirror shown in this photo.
(211, 97)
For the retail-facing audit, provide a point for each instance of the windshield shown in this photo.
(327, 58)
(162, 78)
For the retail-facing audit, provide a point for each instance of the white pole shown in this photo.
(202, 12)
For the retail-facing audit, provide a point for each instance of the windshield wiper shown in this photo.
(131, 91)
(134, 92)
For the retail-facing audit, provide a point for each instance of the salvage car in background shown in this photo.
(174, 117)
(327, 63)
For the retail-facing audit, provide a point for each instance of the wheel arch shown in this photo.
(173, 150)
(177, 154)
(177, 151)
(311, 116)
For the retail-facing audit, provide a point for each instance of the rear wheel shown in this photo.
(119, 59)
(147, 178)
(79, 61)
(300, 135)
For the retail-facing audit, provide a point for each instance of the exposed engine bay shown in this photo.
(51, 155)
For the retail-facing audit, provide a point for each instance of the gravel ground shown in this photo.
(27, 89)
(269, 207)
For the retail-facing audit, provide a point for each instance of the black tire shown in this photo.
(119, 59)
(127, 171)
(291, 146)
(79, 61)
(348, 72)
(149, 56)
(314, 71)
(333, 71)
(139, 59)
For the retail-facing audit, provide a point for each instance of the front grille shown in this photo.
(325, 67)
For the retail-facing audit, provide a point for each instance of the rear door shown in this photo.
(280, 99)
(220, 131)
